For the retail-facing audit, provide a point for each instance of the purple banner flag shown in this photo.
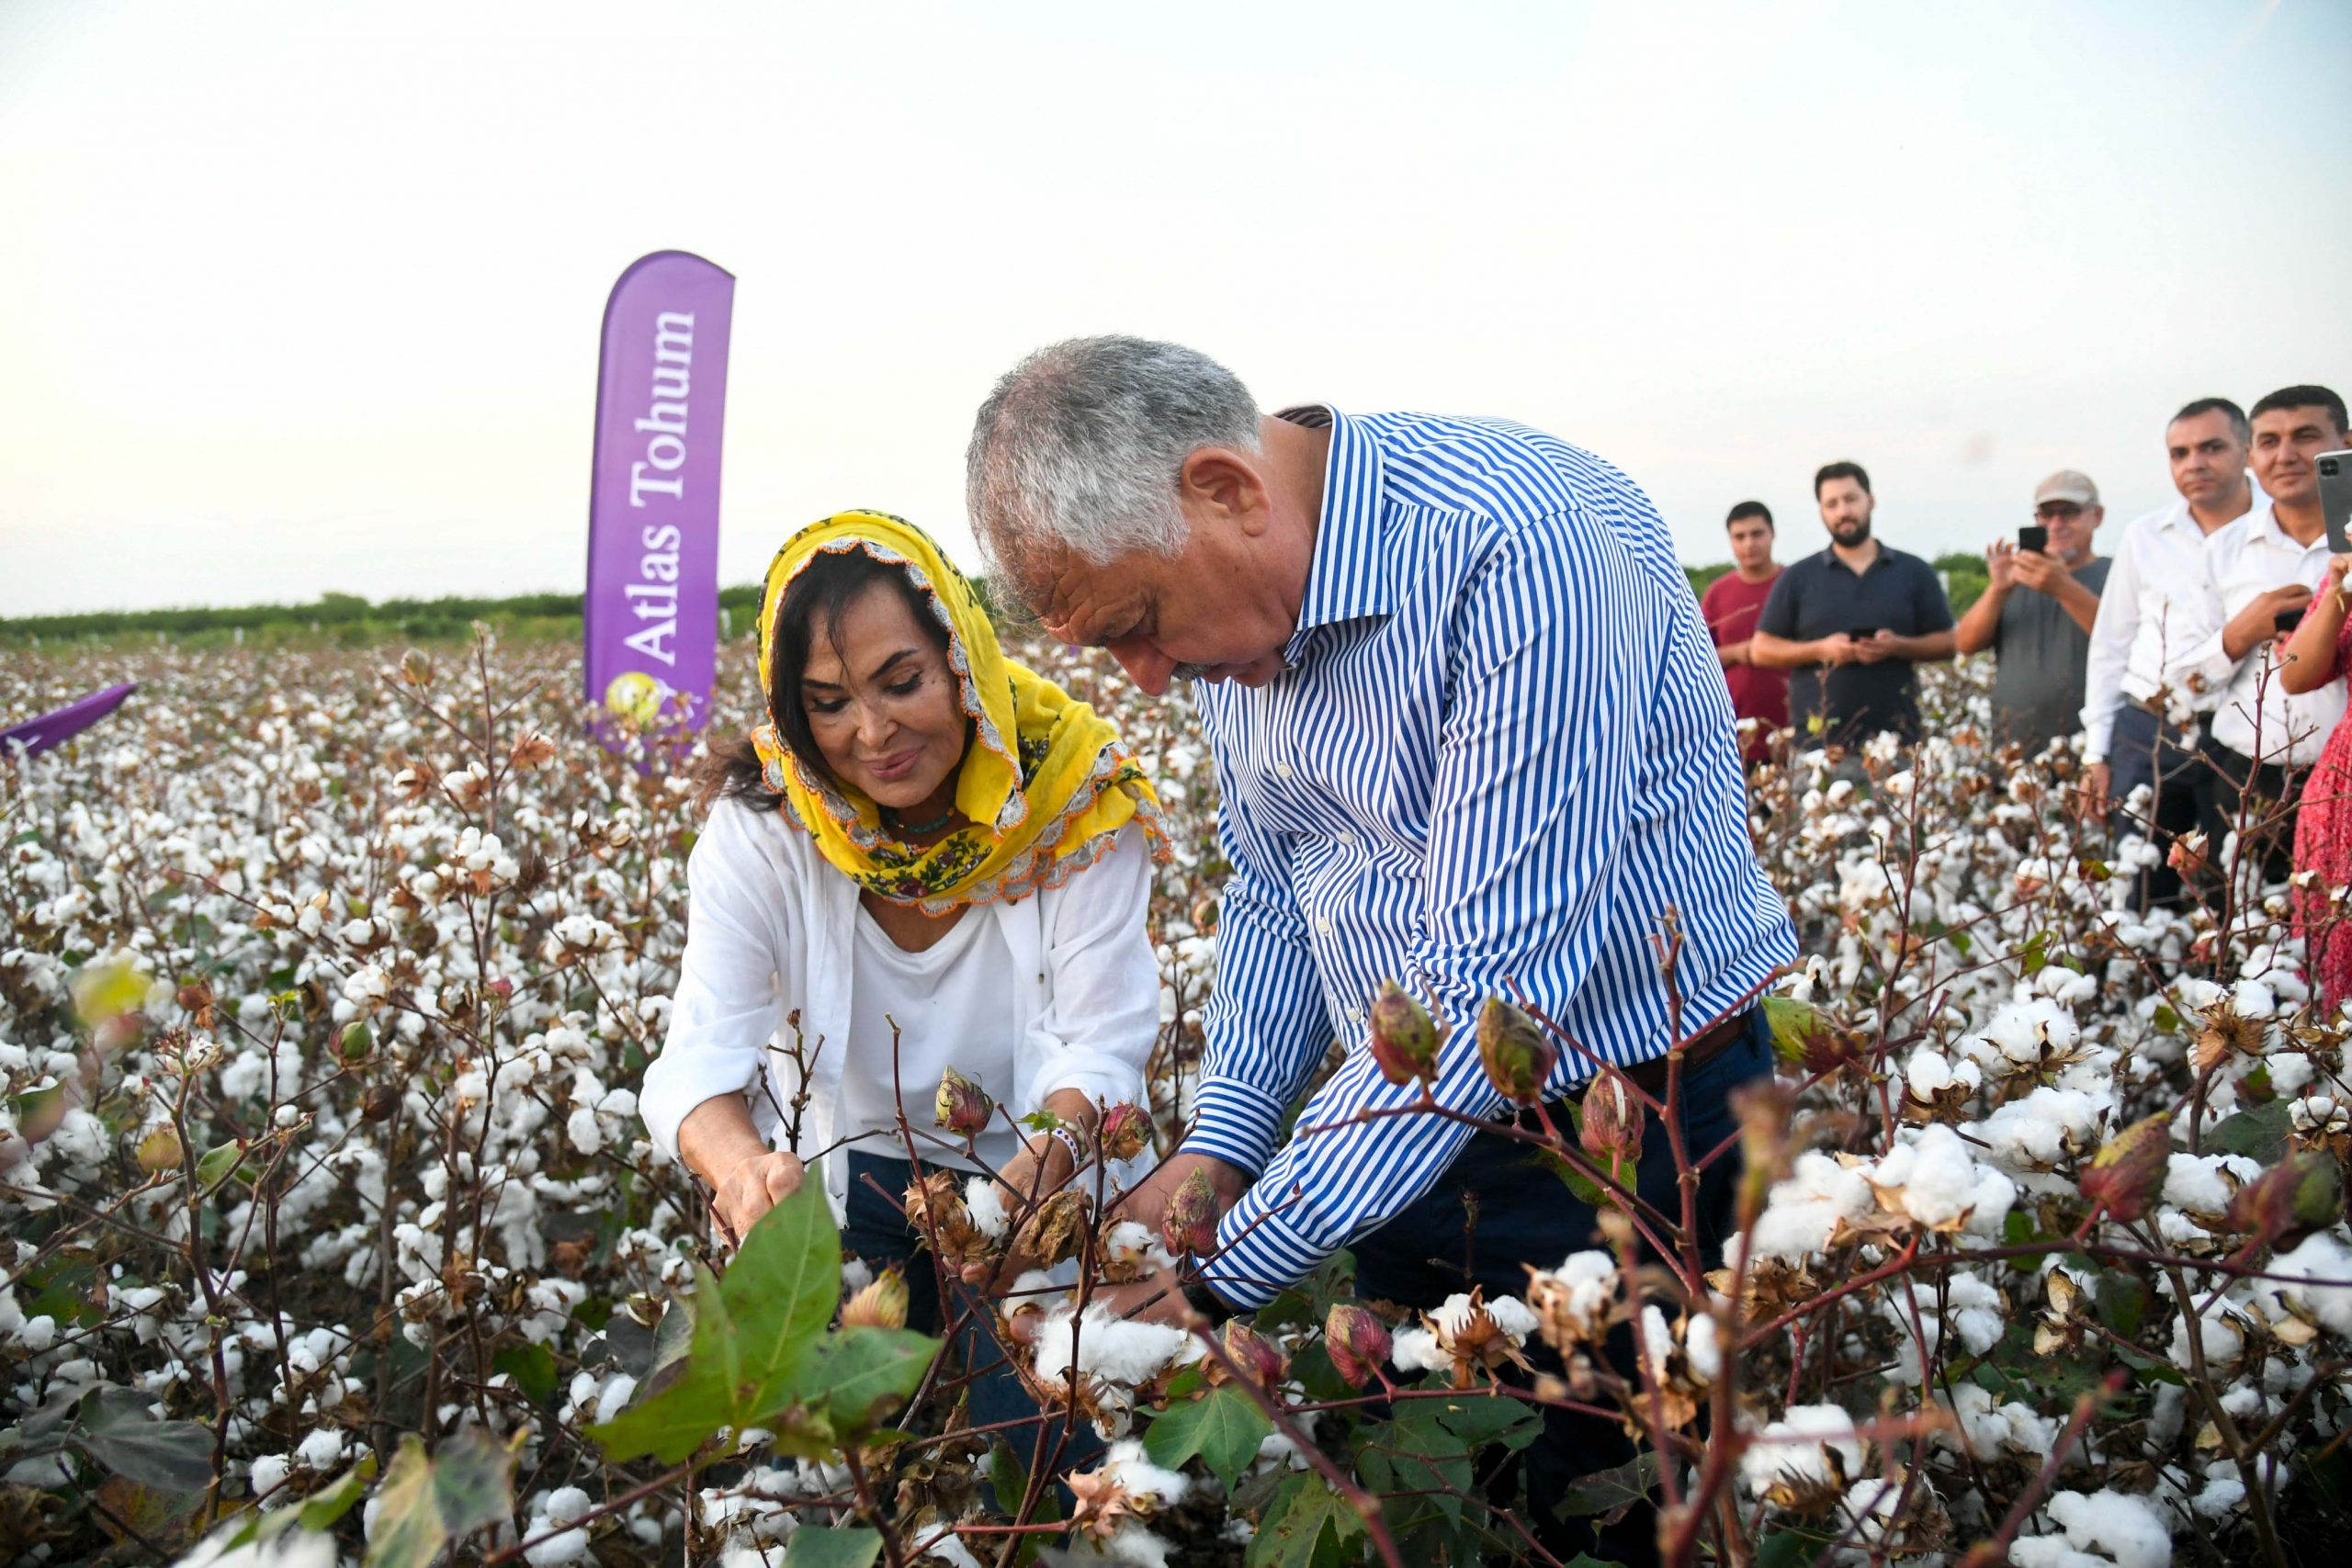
(38, 735)
(652, 604)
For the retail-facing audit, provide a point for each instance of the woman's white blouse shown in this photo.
(948, 1006)
(770, 929)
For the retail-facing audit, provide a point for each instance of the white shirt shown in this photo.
(2143, 625)
(952, 1004)
(2253, 715)
(770, 924)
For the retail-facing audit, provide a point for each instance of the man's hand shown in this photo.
(1877, 648)
(2091, 796)
(1146, 1201)
(2001, 563)
(2257, 622)
(754, 1185)
(2042, 573)
(1835, 649)
(1732, 653)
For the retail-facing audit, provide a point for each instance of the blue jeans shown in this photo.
(1496, 1209)
(878, 1232)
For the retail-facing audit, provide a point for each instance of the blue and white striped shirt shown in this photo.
(1501, 751)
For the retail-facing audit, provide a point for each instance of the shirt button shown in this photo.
(1348, 838)
(1355, 1015)
(1322, 926)
(1283, 769)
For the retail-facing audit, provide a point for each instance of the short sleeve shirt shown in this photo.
(2039, 655)
(1819, 596)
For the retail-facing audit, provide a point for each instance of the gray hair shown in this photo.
(1079, 449)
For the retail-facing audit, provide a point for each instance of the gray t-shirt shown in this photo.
(2039, 653)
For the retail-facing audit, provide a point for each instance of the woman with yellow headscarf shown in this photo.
(930, 857)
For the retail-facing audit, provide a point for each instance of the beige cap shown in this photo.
(2067, 484)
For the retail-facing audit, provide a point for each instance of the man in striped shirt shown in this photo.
(1469, 735)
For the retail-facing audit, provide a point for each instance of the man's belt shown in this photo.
(1711, 1042)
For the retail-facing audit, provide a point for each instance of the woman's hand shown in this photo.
(756, 1184)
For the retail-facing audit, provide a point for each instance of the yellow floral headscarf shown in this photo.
(1044, 785)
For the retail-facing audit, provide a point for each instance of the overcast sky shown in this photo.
(305, 297)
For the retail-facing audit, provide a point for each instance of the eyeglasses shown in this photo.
(2058, 512)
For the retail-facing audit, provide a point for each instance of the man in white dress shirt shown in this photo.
(2138, 729)
(2259, 578)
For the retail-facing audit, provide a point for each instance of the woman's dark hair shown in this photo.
(820, 595)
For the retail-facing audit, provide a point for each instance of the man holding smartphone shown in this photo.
(1849, 622)
(1732, 606)
(2037, 612)
(2259, 577)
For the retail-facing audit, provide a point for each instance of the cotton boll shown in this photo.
(1783, 1455)
(1939, 1184)
(1801, 1213)
(948, 1547)
(2197, 1184)
(1111, 1349)
(986, 1207)
(1125, 1462)
(322, 1449)
(566, 1504)
(564, 1546)
(2126, 1527)
(1415, 1351)
(2320, 1257)
(1703, 1347)
(268, 1473)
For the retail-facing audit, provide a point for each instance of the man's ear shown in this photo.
(1219, 484)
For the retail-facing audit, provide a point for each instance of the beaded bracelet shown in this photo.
(1070, 1140)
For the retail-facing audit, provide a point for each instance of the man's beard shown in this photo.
(1852, 533)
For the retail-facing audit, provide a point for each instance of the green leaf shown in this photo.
(532, 1366)
(753, 1332)
(408, 1532)
(117, 1427)
(2123, 1303)
(216, 1166)
(1491, 1418)
(1609, 1493)
(1306, 1525)
(863, 1376)
(473, 1481)
(830, 1546)
(1414, 1452)
(1223, 1428)
(2260, 1133)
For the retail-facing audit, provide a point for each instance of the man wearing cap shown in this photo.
(2036, 614)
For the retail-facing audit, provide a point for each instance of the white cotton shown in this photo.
(268, 1473)
(2045, 1127)
(615, 1396)
(1110, 1348)
(1938, 1183)
(564, 1546)
(322, 1449)
(1977, 1311)
(1927, 1072)
(38, 1334)
(1783, 1453)
(2196, 1182)
(948, 1547)
(2126, 1527)
(2023, 1032)
(1125, 1462)
(566, 1505)
(986, 1207)
(1415, 1351)
(1657, 1340)
(582, 1129)
(1703, 1347)
(1510, 1314)
(1801, 1213)
(2320, 1257)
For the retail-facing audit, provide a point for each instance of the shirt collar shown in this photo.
(1830, 559)
(1348, 575)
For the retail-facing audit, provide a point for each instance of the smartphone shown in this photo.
(2286, 621)
(2335, 499)
(2033, 536)
(1863, 634)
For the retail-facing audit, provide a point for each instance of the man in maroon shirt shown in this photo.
(1732, 604)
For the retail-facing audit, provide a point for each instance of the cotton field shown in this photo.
(326, 984)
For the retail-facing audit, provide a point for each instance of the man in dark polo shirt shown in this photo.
(1849, 622)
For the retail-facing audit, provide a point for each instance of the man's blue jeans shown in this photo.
(1496, 1209)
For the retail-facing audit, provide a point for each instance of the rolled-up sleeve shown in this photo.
(729, 997)
(2112, 629)
(1096, 1032)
